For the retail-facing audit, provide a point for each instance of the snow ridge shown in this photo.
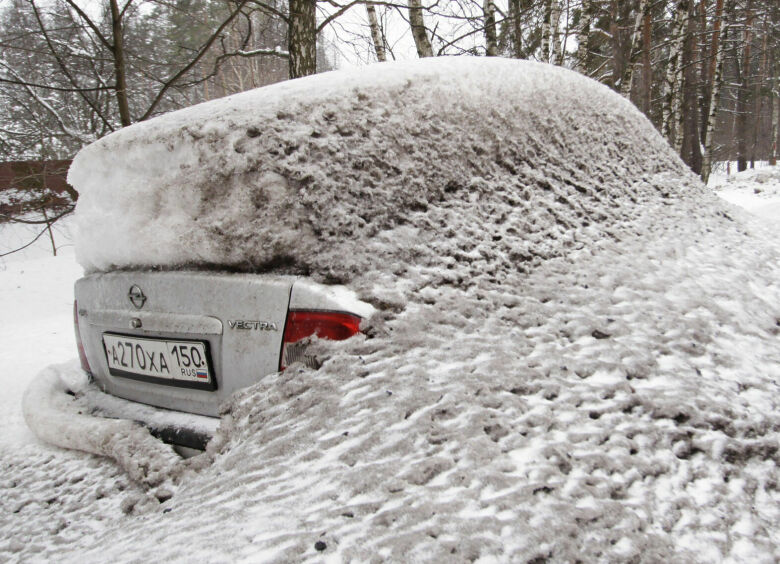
(52, 417)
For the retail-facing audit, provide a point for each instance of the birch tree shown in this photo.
(709, 126)
(377, 37)
(743, 91)
(627, 81)
(555, 39)
(93, 72)
(302, 37)
(673, 87)
(583, 33)
(491, 37)
(709, 59)
(546, 31)
(419, 34)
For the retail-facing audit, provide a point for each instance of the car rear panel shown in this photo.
(238, 319)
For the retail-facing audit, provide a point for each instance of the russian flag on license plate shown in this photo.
(202, 374)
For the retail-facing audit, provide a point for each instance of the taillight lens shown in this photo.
(335, 326)
(79, 343)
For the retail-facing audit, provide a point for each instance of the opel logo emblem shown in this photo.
(136, 296)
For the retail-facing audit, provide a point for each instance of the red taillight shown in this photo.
(79, 344)
(324, 324)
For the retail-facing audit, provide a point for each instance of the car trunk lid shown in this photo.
(214, 333)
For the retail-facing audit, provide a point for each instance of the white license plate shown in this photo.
(177, 363)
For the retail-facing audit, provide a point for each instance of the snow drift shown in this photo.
(576, 351)
(52, 417)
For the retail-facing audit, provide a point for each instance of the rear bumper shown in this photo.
(172, 427)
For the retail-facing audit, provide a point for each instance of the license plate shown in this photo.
(176, 363)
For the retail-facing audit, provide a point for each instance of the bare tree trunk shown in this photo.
(709, 58)
(521, 6)
(491, 38)
(417, 23)
(511, 29)
(545, 55)
(673, 89)
(614, 42)
(758, 96)
(627, 81)
(775, 95)
(744, 93)
(679, 80)
(775, 124)
(702, 66)
(709, 126)
(647, 69)
(689, 117)
(302, 38)
(118, 50)
(775, 115)
(555, 18)
(582, 35)
(376, 33)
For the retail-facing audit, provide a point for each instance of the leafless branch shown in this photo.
(171, 81)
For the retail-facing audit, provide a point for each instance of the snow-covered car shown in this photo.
(218, 237)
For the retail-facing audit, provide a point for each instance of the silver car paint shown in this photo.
(240, 316)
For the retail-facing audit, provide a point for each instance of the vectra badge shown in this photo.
(253, 325)
(136, 296)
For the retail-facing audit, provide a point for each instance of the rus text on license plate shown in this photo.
(176, 363)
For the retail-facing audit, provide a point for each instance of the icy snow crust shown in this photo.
(576, 352)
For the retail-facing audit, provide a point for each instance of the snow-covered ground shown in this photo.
(37, 293)
(67, 506)
(49, 496)
(70, 507)
(758, 190)
(575, 359)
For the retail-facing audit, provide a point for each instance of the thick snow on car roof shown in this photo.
(297, 173)
(575, 355)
